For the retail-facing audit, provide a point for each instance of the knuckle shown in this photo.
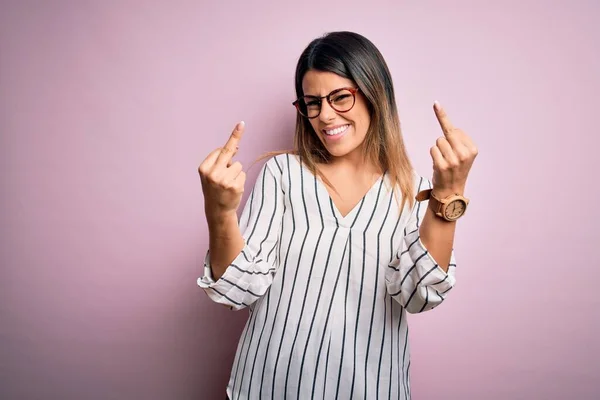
(443, 167)
(223, 184)
(225, 150)
(215, 179)
(440, 140)
(226, 185)
(210, 178)
(463, 156)
(206, 168)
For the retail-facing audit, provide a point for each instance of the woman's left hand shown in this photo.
(453, 156)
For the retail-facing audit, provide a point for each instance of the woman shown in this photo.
(331, 249)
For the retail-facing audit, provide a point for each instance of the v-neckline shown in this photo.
(356, 207)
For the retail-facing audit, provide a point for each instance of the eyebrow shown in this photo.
(316, 95)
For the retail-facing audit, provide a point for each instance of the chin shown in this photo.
(340, 151)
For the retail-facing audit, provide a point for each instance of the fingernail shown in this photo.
(242, 124)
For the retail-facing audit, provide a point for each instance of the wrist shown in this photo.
(442, 193)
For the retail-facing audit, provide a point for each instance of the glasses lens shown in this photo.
(342, 100)
(309, 106)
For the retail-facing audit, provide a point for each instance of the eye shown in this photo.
(341, 97)
(313, 104)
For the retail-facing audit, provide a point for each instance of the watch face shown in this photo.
(455, 209)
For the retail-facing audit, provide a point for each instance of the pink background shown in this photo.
(108, 107)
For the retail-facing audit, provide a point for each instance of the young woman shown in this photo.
(339, 238)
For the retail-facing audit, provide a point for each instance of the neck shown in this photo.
(355, 163)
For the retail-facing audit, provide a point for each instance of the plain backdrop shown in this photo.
(108, 107)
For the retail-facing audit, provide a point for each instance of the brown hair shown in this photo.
(354, 57)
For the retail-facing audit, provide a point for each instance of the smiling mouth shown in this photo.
(337, 131)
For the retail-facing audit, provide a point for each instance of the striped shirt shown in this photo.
(327, 294)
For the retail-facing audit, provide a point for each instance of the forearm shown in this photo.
(453, 156)
(225, 242)
(437, 235)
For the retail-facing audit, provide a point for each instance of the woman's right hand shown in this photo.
(223, 181)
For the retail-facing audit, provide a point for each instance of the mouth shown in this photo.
(335, 133)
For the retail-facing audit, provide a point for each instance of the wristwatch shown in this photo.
(449, 208)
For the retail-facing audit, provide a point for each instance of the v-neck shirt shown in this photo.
(322, 186)
(327, 295)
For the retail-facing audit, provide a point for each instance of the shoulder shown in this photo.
(280, 163)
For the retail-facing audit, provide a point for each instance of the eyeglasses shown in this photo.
(341, 100)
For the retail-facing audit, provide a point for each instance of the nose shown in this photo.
(327, 112)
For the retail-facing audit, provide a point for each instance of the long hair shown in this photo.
(354, 57)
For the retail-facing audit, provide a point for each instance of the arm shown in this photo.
(414, 278)
(242, 259)
(453, 156)
(225, 241)
(423, 272)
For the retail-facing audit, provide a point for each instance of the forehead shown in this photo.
(320, 83)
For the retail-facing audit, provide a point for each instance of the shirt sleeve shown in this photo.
(251, 273)
(413, 277)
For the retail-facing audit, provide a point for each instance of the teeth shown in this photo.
(336, 131)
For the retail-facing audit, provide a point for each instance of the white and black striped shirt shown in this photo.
(327, 294)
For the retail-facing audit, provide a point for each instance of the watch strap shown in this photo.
(435, 205)
(423, 195)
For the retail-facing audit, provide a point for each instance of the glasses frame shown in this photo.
(352, 90)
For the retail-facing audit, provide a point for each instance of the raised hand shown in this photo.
(453, 156)
(223, 181)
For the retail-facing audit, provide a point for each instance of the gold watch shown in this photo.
(449, 208)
